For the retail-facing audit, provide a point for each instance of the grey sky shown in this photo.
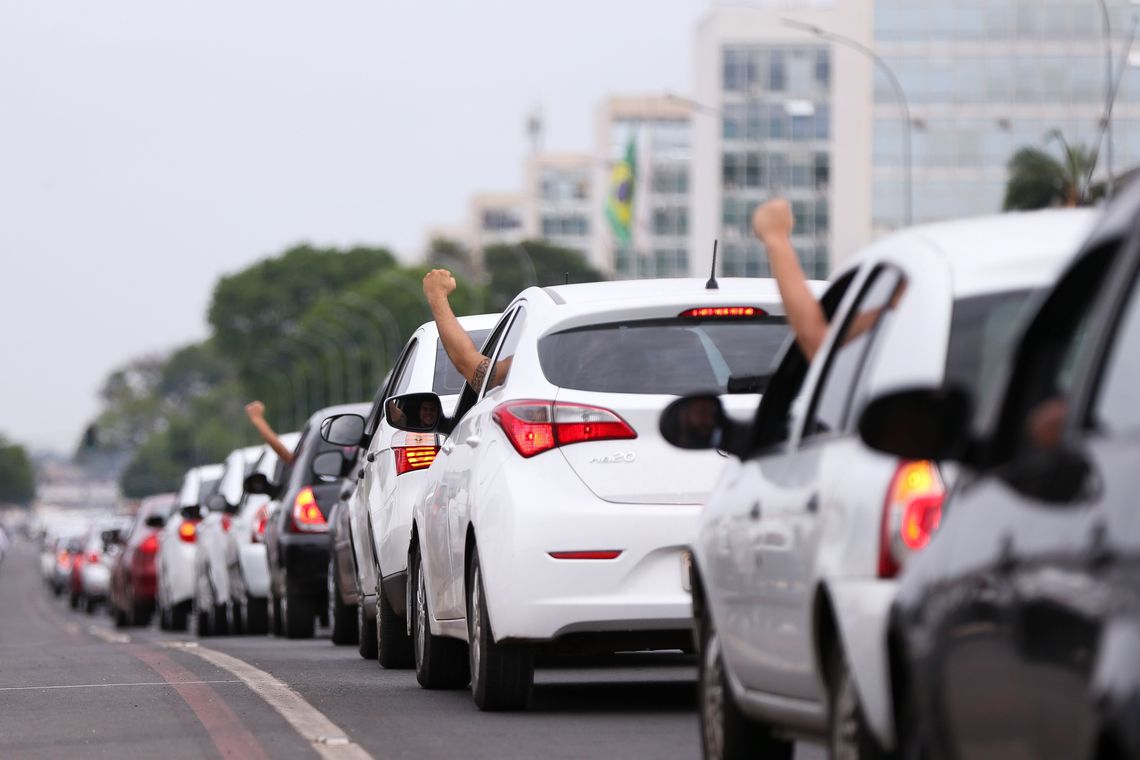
(147, 147)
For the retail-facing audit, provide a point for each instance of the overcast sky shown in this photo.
(148, 147)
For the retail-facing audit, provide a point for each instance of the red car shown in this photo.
(133, 575)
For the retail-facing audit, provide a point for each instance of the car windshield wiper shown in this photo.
(747, 383)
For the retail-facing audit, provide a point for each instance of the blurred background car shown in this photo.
(379, 507)
(210, 611)
(176, 545)
(246, 560)
(92, 567)
(1026, 596)
(133, 575)
(792, 611)
(296, 535)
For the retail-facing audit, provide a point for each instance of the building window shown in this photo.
(499, 220)
(777, 72)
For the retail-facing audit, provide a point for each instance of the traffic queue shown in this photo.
(866, 505)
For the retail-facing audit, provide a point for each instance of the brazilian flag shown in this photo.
(619, 205)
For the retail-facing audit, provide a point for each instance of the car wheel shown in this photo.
(219, 620)
(141, 614)
(726, 732)
(298, 618)
(179, 615)
(90, 604)
(234, 620)
(441, 663)
(849, 736)
(275, 625)
(122, 620)
(341, 616)
(502, 675)
(163, 618)
(365, 631)
(393, 644)
(255, 616)
(73, 600)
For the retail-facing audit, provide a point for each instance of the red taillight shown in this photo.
(603, 554)
(911, 514)
(307, 515)
(227, 521)
(260, 520)
(724, 312)
(92, 556)
(149, 544)
(63, 559)
(537, 426)
(188, 531)
(410, 458)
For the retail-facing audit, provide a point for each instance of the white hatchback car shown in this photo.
(174, 562)
(555, 517)
(390, 480)
(796, 557)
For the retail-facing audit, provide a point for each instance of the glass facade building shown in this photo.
(985, 78)
(775, 140)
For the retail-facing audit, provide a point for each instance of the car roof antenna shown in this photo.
(712, 284)
(567, 277)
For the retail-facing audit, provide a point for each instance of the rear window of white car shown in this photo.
(981, 333)
(448, 381)
(673, 356)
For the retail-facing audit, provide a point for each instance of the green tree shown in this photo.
(444, 253)
(17, 475)
(1038, 179)
(513, 268)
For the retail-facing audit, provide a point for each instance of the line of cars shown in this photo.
(856, 555)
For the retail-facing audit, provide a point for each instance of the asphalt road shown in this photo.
(72, 686)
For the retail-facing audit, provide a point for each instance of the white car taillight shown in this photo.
(537, 426)
(911, 514)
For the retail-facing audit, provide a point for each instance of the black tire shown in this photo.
(90, 604)
(393, 644)
(234, 620)
(163, 618)
(848, 735)
(141, 614)
(122, 620)
(276, 626)
(180, 616)
(73, 600)
(365, 633)
(441, 663)
(298, 616)
(342, 616)
(726, 732)
(502, 675)
(219, 620)
(255, 616)
(201, 617)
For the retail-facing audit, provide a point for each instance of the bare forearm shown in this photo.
(462, 351)
(270, 437)
(804, 312)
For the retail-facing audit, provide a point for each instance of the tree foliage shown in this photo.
(17, 475)
(1038, 179)
(511, 269)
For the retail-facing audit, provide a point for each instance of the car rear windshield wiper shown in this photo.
(747, 383)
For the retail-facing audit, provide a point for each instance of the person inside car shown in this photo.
(255, 410)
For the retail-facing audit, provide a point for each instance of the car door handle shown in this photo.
(812, 503)
(754, 513)
(473, 441)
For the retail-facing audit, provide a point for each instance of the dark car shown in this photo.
(1017, 632)
(133, 575)
(296, 535)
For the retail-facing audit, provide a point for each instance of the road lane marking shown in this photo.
(328, 739)
(109, 636)
(224, 727)
(107, 685)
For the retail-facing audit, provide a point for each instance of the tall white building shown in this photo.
(660, 129)
(983, 79)
(560, 199)
(781, 113)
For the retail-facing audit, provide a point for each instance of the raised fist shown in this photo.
(773, 220)
(438, 283)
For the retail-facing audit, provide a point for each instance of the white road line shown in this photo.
(109, 636)
(329, 740)
(106, 685)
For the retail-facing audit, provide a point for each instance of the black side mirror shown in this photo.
(920, 423)
(343, 429)
(217, 503)
(258, 483)
(699, 422)
(154, 521)
(329, 464)
(193, 512)
(414, 412)
(110, 538)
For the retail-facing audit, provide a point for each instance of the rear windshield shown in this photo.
(981, 331)
(448, 381)
(674, 356)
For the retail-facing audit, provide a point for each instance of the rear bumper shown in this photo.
(96, 580)
(305, 562)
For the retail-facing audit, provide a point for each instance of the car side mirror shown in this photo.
(193, 512)
(329, 464)
(919, 423)
(110, 538)
(414, 412)
(258, 483)
(343, 429)
(154, 521)
(699, 422)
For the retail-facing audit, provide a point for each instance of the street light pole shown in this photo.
(1106, 29)
(908, 165)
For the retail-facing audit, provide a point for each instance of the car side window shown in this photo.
(1114, 409)
(501, 361)
(846, 362)
(470, 395)
(772, 425)
(403, 377)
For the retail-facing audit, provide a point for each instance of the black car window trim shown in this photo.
(518, 318)
(771, 426)
(806, 436)
(469, 396)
